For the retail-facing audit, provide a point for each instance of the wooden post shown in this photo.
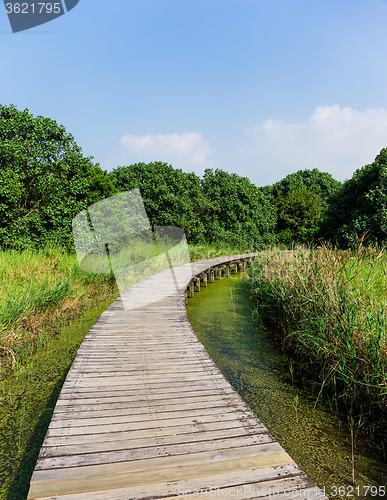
(227, 270)
(236, 268)
(186, 297)
(204, 280)
(243, 265)
(219, 273)
(197, 285)
(212, 279)
(191, 290)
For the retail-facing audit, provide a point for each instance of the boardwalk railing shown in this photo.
(144, 413)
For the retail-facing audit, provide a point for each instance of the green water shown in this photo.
(28, 401)
(317, 439)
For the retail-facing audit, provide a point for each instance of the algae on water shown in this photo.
(27, 402)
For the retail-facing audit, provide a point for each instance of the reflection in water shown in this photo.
(317, 439)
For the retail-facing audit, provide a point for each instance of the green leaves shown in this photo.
(171, 196)
(360, 206)
(220, 208)
(302, 199)
(299, 214)
(45, 180)
(237, 210)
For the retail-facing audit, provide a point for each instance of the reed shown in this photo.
(329, 308)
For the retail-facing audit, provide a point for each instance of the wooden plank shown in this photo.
(130, 474)
(95, 414)
(171, 489)
(128, 442)
(145, 423)
(176, 385)
(81, 397)
(122, 408)
(111, 456)
(178, 432)
(141, 405)
(138, 371)
(151, 416)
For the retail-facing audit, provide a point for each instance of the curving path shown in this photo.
(144, 413)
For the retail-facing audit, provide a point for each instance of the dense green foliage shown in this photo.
(300, 213)
(45, 180)
(314, 180)
(171, 196)
(238, 212)
(302, 200)
(360, 206)
(221, 207)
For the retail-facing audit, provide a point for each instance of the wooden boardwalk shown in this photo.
(144, 413)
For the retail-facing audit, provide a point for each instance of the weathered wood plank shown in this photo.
(171, 489)
(137, 472)
(128, 442)
(176, 386)
(171, 392)
(120, 455)
(233, 424)
(143, 404)
(122, 408)
(152, 415)
(147, 422)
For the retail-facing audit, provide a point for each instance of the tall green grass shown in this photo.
(211, 251)
(329, 308)
(40, 292)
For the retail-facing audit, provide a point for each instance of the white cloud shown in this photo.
(334, 139)
(186, 151)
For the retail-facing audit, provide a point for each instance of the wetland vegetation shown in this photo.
(328, 307)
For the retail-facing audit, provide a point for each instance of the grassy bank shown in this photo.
(329, 308)
(42, 291)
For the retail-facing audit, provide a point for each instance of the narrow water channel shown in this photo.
(316, 438)
(27, 401)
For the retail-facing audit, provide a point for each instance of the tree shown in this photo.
(360, 207)
(238, 212)
(171, 196)
(299, 215)
(302, 199)
(45, 181)
(321, 183)
(222, 208)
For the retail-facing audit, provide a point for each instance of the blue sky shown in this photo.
(261, 88)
